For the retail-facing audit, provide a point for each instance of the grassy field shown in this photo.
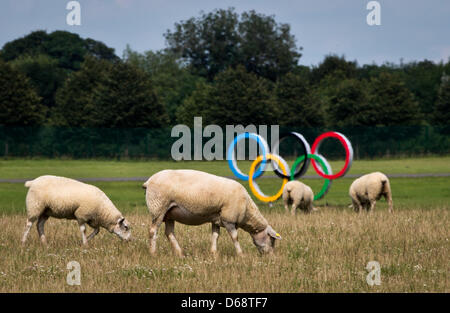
(408, 192)
(323, 252)
(91, 168)
(326, 251)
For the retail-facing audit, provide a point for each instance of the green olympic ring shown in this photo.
(325, 168)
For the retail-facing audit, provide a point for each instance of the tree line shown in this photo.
(227, 67)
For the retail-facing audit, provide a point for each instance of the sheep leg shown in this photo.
(170, 234)
(153, 232)
(232, 231)
(388, 198)
(293, 208)
(40, 227)
(286, 205)
(357, 205)
(372, 205)
(27, 229)
(93, 234)
(215, 229)
(83, 233)
(310, 207)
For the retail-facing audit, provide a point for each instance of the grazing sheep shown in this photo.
(60, 197)
(194, 198)
(299, 195)
(366, 190)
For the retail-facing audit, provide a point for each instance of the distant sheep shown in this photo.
(60, 197)
(299, 195)
(368, 189)
(194, 198)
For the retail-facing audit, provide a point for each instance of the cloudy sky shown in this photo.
(409, 30)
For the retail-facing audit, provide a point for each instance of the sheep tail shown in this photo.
(386, 188)
(288, 189)
(145, 185)
(28, 183)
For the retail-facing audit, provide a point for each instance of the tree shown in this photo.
(19, 103)
(30, 44)
(392, 102)
(127, 98)
(299, 104)
(99, 50)
(235, 97)
(221, 39)
(332, 64)
(196, 104)
(442, 107)
(44, 75)
(423, 80)
(349, 105)
(77, 99)
(103, 94)
(266, 48)
(172, 81)
(67, 48)
(19, 106)
(47, 59)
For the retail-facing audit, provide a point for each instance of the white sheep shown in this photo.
(60, 197)
(299, 195)
(194, 198)
(366, 190)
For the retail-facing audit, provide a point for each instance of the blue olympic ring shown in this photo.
(232, 160)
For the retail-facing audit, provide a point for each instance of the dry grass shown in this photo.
(324, 252)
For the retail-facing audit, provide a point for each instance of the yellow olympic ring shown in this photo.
(254, 186)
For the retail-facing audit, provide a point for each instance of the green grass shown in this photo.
(19, 168)
(128, 196)
(426, 192)
(423, 192)
(326, 251)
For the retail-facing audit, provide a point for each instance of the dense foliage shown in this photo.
(222, 66)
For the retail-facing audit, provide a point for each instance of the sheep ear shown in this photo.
(120, 220)
(273, 233)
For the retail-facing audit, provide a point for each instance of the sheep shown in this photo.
(366, 190)
(60, 197)
(193, 197)
(299, 195)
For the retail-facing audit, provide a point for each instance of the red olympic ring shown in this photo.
(348, 154)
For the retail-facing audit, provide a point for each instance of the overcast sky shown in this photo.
(410, 29)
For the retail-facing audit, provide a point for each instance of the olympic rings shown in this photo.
(323, 169)
(348, 153)
(232, 160)
(326, 168)
(254, 186)
(306, 149)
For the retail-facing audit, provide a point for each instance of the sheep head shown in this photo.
(122, 229)
(265, 240)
